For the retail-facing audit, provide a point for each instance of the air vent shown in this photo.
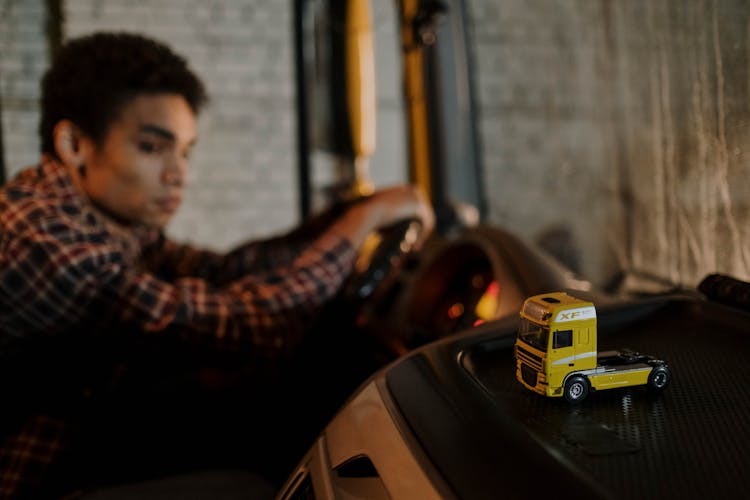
(357, 467)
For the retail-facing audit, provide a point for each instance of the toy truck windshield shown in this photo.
(533, 334)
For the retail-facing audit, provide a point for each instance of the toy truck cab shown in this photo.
(556, 352)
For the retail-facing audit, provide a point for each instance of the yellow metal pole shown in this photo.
(414, 88)
(361, 94)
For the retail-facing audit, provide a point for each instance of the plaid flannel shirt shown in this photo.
(64, 263)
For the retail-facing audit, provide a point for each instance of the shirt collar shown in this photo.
(56, 178)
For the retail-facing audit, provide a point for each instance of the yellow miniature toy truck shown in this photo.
(556, 352)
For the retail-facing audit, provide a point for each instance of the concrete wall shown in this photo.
(625, 124)
(618, 131)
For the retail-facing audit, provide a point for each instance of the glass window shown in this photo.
(563, 338)
(533, 334)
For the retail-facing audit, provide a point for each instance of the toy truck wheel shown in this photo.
(576, 389)
(659, 378)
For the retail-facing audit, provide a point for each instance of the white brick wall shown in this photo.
(542, 130)
(23, 58)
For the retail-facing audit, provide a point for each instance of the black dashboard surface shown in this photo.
(490, 437)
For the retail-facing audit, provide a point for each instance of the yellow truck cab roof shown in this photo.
(556, 307)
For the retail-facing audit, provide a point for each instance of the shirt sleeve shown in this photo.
(171, 260)
(51, 285)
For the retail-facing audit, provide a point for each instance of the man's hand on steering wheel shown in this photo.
(384, 208)
(385, 227)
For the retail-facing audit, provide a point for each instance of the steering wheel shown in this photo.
(367, 291)
(381, 258)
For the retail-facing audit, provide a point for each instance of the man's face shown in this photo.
(137, 175)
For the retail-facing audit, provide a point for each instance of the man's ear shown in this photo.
(68, 140)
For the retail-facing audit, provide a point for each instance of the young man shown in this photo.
(88, 282)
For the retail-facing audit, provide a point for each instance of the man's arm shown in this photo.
(57, 285)
(172, 260)
(266, 312)
(383, 208)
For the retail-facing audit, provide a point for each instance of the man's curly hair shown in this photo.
(94, 76)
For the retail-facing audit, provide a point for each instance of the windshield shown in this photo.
(533, 334)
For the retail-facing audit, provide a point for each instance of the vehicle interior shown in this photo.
(458, 423)
(421, 397)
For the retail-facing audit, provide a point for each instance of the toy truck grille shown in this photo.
(529, 358)
(529, 375)
(529, 366)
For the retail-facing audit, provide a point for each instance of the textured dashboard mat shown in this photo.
(690, 441)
